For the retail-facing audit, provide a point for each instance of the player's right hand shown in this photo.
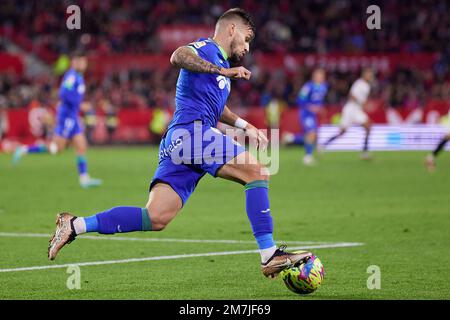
(257, 137)
(236, 73)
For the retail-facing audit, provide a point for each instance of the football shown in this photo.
(304, 278)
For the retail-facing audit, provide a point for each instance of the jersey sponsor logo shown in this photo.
(166, 152)
(223, 82)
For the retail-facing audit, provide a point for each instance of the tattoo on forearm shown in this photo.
(186, 59)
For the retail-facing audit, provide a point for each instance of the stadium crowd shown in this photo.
(314, 26)
(285, 26)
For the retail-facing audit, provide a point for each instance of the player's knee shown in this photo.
(311, 137)
(81, 150)
(158, 224)
(259, 172)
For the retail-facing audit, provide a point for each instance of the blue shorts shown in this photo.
(67, 127)
(188, 151)
(308, 120)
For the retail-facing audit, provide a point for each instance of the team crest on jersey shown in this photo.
(69, 82)
(223, 82)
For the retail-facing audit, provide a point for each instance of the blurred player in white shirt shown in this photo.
(353, 112)
(430, 160)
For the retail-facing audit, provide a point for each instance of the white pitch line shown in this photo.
(180, 256)
(116, 238)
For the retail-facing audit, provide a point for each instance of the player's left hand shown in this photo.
(236, 73)
(257, 136)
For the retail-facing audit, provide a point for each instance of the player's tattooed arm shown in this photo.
(185, 58)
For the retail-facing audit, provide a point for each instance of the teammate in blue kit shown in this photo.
(68, 125)
(310, 101)
(192, 147)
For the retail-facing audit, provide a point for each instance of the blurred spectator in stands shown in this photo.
(61, 65)
(275, 106)
(89, 119)
(111, 119)
(288, 25)
(4, 125)
(41, 119)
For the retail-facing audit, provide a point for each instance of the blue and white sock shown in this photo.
(258, 212)
(82, 165)
(115, 220)
(309, 148)
(37, 148)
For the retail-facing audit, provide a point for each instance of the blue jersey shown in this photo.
(71, 94)
(312, 94)
(202, 96)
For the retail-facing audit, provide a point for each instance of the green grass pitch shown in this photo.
(393, 205)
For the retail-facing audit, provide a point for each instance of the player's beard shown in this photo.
(234, 58)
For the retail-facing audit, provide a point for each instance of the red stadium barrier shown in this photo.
(11, 63)
(133, 124)
(19, 126)
(101, 64)
(384, 62)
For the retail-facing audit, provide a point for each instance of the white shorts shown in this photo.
(353, 114)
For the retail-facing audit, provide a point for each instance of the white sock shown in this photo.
(84, 177)
(53, 148)
(267, 253)
(79, 225)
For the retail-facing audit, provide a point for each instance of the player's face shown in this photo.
(368, 76)
(240, 44)
(80, 64)
(319, 76)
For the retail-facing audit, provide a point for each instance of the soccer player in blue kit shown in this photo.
(68, 125)
(310, 101)
(201, 93)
